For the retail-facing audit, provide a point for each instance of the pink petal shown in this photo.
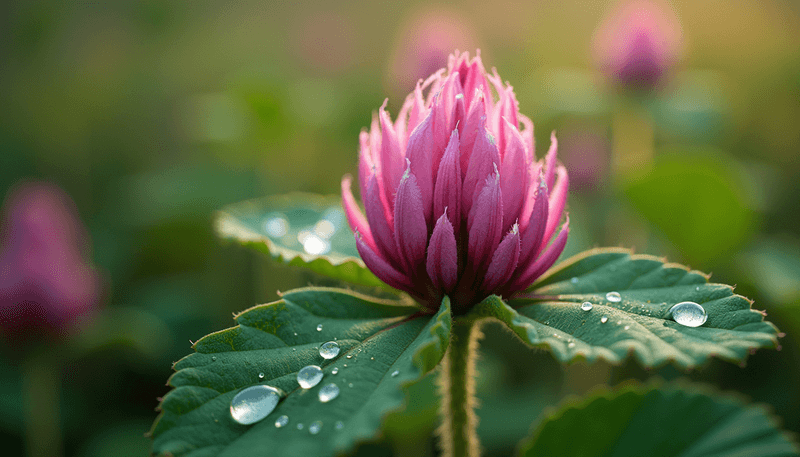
(365, 163)
(410, 229)
(442, 263)
(354, 215)
(418, 110)
(533, 231)
(508, 110)
(475, 80)
(550, 161)
(483, 160)
(558, 199)
(474, 123)
(419, 153)
(527, 137)
(443, 111)
(547, 259)
(485, 223)
(391, 157)
(513, 176)
(447, 193)
(504, 261)
(380, 226)
(380, 267)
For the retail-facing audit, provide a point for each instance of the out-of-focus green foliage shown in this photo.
(152, 115)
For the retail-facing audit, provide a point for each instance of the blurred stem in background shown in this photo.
(41, 398)
(633, 139)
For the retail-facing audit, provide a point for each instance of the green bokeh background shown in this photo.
(153, 114)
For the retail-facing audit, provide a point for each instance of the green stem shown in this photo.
(41, 395)
(458, 432)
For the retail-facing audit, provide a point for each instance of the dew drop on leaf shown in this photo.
(315, 427)
(328, 392)
(395, 373)
(254, 403)
(339, 425)
(281, 421)
(319, 327)
(335, 370)
(689, 313)
(627, 327)
(571, 344)
(574, 280)
(586, 306)
(613, 297)
(604, 319)
(329, 350)
(261, 376)
(300, 426)
(309, 376)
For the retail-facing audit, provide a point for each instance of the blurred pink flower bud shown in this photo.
(637, 44)
(424, 42)
(455, 201)
(47, 283)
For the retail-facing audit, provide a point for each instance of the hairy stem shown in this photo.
(458, 432)
(41, 383)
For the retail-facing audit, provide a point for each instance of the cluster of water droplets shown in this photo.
(687, 313)
(315, 239)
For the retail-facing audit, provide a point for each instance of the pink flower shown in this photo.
(455, 201)
(638, 44)
(46, 281)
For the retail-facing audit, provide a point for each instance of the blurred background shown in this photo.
(142, 118)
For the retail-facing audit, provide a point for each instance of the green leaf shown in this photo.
(377, 338)
(658, 422)
(275, 225)
(640, 324)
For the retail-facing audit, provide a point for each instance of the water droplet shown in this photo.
(627, 327)
(613, 297)
(697, 288)
(604, 319)
(300, 426)
(281, 421)
(276, 227)
(328, 392)
(372, 358)
(315, 427)
(319, 327)
(350, 385)
(254, 403)
(213, 358)
(344, 366)
(261, 376)
(395, 373)
(689, 313)
(339, 425)
(329, 350)
(324, 229)
(309, 376)
(574, 280)
(312, 243)
(586, 306)
(335, 370)
(295, 333)
(571, 344)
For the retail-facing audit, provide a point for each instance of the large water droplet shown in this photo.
(276, 227)
(319, 327)
(328, 392)
(586, 306)
(613, 297)
(329, 350)
(604, 319)
(281, 421)
(309, 376)
(315, 427)
(254, 403)
(689, 313)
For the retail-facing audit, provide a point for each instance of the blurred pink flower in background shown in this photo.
(637, 44)
(423, 42)
(47, 282)
(456, 202)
